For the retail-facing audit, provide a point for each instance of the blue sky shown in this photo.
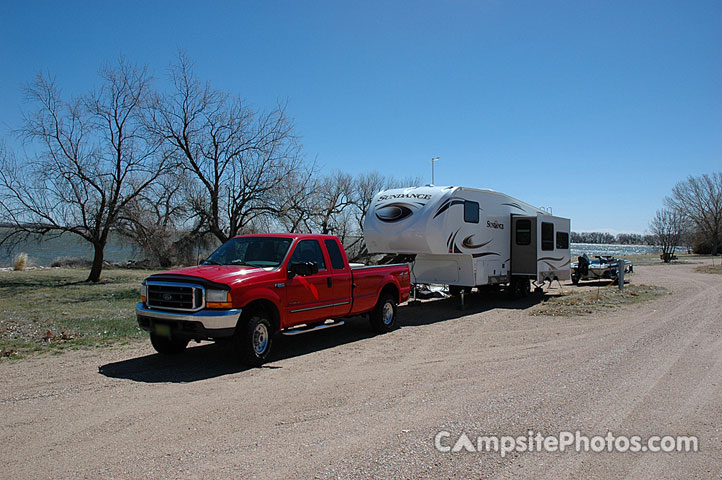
(594, 108)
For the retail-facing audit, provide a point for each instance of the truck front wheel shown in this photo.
(168, 346)
(383, 316)
(254, 338)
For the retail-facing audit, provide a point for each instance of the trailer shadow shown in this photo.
(211, 360)
(442, 309)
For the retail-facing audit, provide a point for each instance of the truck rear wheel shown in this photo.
(168, 346)
(383, 316)
(253, 339)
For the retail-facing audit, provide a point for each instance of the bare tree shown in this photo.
(699, 199)
(333, 196)
(154, 220)
(367, 185)
(92, 157)
(667, 226)
(237, 159)
(296, 205)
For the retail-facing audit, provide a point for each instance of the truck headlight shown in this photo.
(218, 299)
(143, 292)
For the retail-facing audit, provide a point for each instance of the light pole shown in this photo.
(432, 169)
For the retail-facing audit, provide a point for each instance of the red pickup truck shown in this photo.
(255, 286)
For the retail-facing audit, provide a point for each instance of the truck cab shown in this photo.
(256, 286)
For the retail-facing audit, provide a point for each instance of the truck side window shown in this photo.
(562, 240)
(335, 254)
(471, 212)
(547, 237)
(523, 232)
(308, 251)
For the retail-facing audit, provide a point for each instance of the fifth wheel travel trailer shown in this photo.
(467, 237)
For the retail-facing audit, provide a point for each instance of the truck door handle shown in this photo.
(329, 282)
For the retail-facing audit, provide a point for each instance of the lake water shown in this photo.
(42, 253)
(611, 249)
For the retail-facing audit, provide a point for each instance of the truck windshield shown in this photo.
(251, 251)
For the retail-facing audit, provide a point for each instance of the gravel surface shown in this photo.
(345, 404)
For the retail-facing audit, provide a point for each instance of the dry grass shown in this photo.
(590, 301)
(709, 269)
(20, 262)
(652, 259)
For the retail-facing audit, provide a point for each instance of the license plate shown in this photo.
(162, 330)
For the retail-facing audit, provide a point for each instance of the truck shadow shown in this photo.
(211, 360)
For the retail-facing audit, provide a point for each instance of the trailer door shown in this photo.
(523, 246)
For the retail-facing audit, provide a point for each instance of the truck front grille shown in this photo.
(170, 296)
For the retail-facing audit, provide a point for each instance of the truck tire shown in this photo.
(253, 338)
(168, 346)
(383, 316)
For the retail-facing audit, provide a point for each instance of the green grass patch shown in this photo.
(53, 310)
(590, 301)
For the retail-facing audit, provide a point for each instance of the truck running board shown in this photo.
(314, 328)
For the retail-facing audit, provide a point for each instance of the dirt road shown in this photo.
(343, 403)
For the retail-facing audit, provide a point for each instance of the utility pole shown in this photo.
(432, 169)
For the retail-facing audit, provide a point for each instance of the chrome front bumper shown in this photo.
(210, 319)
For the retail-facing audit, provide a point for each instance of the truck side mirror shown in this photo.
(303, 269)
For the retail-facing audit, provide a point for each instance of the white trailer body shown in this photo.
(468, 237)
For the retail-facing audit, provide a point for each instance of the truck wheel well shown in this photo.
(265, 306)
(390, 288)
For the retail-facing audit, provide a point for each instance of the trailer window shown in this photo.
(471, 212)
(547, 239)
(523, 232)
(308, 251)
(562, 240)
(335, 253)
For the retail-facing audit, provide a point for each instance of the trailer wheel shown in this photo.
(168, 346)
(520, 287)
(253, 338)
(383, 316)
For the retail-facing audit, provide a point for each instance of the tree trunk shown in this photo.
(97, 263)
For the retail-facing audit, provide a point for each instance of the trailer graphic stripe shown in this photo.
(467, 243)
(393, 212)
(557, 267)
(452, 246)
(483, 254)
(515, 205)
(447, 204)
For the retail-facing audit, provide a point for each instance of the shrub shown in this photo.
(20, 261)
(71, 262)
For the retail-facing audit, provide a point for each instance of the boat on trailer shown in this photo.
(605, 267)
